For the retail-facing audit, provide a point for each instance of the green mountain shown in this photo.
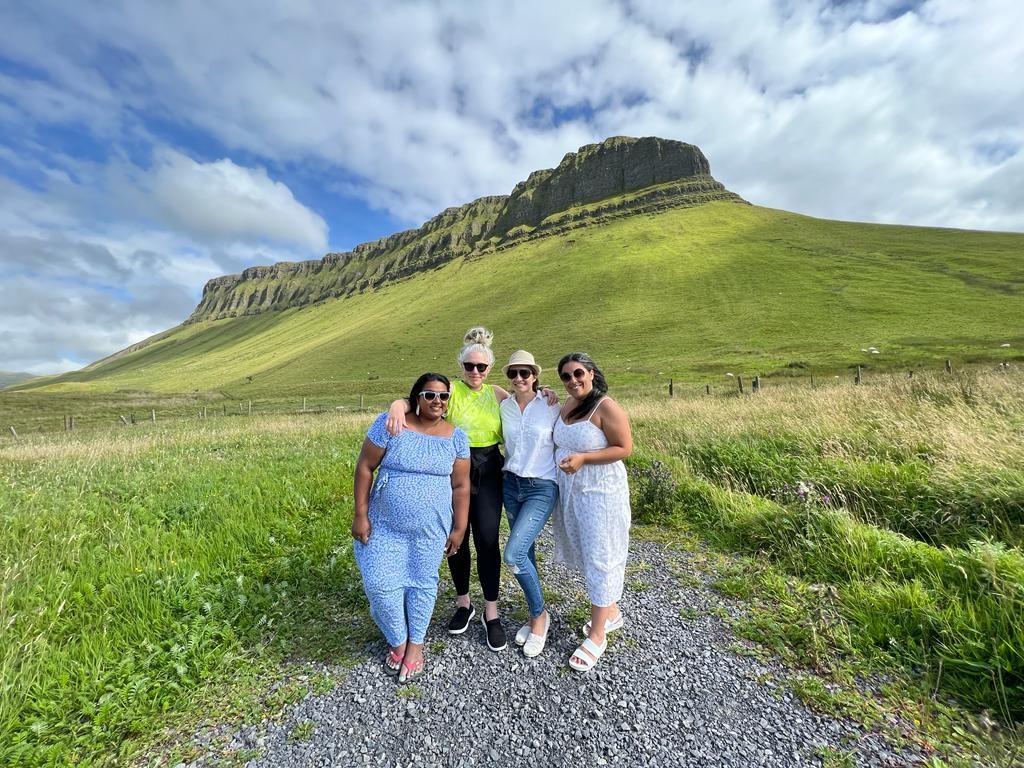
(629, 250)
(7, 378)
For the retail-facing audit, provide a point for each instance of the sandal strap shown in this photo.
(593, 648)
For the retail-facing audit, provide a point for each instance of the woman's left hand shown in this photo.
(571, 464)
(451, 546)
(549, 395)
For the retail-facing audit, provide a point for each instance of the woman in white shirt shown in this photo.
(529, 487)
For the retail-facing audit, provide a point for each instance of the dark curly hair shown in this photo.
(600, 385)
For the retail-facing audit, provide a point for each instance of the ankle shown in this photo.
(462, 601)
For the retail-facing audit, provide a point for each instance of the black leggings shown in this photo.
(485, 466)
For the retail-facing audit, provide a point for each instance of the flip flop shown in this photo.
(581, 662)
(392, 662)
(535, 643)
(609, 625)
(410, 672)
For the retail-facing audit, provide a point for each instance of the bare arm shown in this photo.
(615, 424)
(369, 459)
(460, 506)
(396, 417)
(500, 393)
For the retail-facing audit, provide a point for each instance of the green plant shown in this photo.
(651, 488)
(303, 731)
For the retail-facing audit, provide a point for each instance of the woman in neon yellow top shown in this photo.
(474, 408)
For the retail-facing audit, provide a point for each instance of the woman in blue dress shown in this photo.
(414, 513)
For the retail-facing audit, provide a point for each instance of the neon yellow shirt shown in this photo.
(476, 413)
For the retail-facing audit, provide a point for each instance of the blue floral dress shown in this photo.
(410, 519)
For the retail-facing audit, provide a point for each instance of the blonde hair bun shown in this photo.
(478, 335)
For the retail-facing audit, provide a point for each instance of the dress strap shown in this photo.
(594, 409)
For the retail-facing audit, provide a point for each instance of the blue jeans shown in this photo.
(529, 502)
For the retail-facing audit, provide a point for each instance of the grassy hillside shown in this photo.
(6, 378)
(688, 293)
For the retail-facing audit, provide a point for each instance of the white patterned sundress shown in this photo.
(592, 527)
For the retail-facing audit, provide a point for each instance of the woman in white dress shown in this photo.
(592, 437)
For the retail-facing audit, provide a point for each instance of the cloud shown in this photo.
(133, 128)
(224, 201)
(436, 106)
(105, 256)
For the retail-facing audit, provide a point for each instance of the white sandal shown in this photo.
(610, 625)
(535, 643)
(580, 661)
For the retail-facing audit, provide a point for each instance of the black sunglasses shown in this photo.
(480, 367)
(519, 373)
(579, 373)
(430, 395)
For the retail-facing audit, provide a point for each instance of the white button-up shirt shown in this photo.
(529, 447)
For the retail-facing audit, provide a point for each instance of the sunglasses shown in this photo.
(579, 373)
(519, 373)
(480, 367)
(430, 395)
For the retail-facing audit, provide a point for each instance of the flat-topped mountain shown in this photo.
(629, 250)
(619, 176)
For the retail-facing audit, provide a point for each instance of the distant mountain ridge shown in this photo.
(619, 177)
(7, 378)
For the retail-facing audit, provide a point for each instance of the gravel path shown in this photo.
(668, 692)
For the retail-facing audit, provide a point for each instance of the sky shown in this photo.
(147, 146)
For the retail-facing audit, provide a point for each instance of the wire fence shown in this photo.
(44, 413)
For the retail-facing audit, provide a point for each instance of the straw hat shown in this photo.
(521, 357)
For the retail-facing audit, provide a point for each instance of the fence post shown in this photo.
(671, 393)
(707, 388)
(72, 423)
(14, 432)
(856, 379)
(250, 407)
(123, 420)
(152, 414)
(739, 383)
(204, 411)
(949, 366)
(755, 385)
(303, 405)
(65, 422)
(812, 381)
(133, 418)
(360, 402)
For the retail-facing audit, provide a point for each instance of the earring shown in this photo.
(417, 409)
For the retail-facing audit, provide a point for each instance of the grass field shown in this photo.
(688, 294)
(145, 569)
(139, 568)
(905, 499)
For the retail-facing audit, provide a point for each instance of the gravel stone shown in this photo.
(667, 692)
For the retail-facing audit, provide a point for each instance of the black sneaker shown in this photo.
(460, 620)
(495, 634)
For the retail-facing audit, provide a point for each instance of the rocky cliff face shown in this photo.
(620, 176)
